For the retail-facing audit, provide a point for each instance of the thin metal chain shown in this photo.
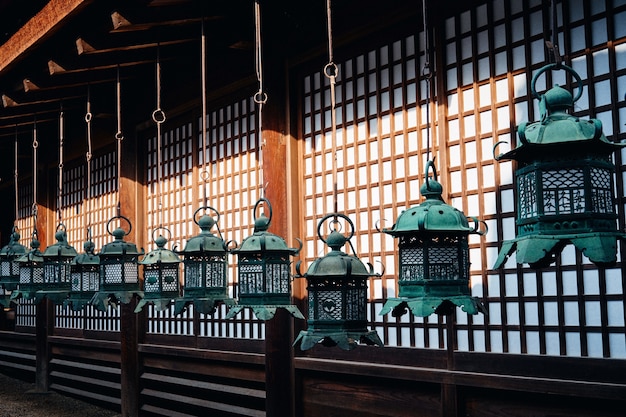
(15, 175)
(260, 97)
(204, 175)
(119, 137)
(158, 116)
(426, 72)
(330, 71)
(60, 189)
(35, 208)
(88, 156)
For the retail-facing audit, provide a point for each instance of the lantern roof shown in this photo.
(119, 246)
(433, 215)
(87, 257)
(13, 248)
(336, 262)
(263, 241)
(61, 248)
(160, 254)
(34, 255)
(206, 241)
(557, 131)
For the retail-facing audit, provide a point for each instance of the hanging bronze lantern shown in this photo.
(263, 270)
(9, 268)
(119, 271)
(85, 277)
(56, 268)
(206, 268)
(564, 183)
(433, 260)
(31, 271)
(337, 292)
(161, 270)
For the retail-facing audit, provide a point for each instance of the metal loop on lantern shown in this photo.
(195, 214)
(336, 222)
(119, 216)
(556, 67)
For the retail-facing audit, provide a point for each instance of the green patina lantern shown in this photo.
(337, 292)
(161, 271)
(9, 268)
(85, 277)
(119, 269)
(31, 271)
(56, 268)
(263, 270)
(206, 268)
(433, 256)
(564, 184)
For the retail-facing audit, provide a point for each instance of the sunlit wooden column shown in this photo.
(131, 323)
(279, 330)
(44, 310)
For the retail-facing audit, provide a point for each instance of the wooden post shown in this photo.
(44, 324)
(131, 324)
(279, 379)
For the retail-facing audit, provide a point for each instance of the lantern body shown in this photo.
(9, 268)
(433, 260)
(119, 271)
(85, 277)
(31, 272)
(56, 268)
(564, 186)
(161, 270)
(337, 298)
(263, 271)
(205, 270)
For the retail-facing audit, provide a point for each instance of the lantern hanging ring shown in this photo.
(195, 214)
(169, 232)
(430, 165)
(119, 216)
(267, 204)
(335, 222)
(556, 67)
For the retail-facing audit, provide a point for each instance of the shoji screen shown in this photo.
(490, 54)
(231, 188)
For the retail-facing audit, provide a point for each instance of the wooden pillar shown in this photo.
(44, 324)
(131, 324)
(278, 331)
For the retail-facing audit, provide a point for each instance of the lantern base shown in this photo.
(203, 305)
(425, 306)
(21, 293)
(265, 312)
(102, 299)
(345, 340)
(9, 285)
(160, 304)
(540, 251)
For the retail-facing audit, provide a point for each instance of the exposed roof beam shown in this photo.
(48, 20)
(85, 48)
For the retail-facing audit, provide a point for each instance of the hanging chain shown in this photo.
(427, 73)
(260, 97)
(119, 137)
(158, 116)
(88, 156)
(553, 45)
(35, 208)
(60, 189)
(330, 71)
(204, 175)
(15, 175)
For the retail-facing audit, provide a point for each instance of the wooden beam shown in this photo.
(48, 20)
